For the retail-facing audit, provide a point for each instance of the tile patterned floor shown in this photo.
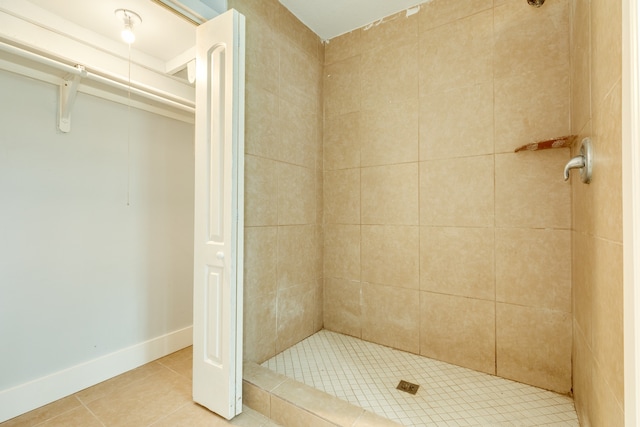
(366, 374)
(157, 394)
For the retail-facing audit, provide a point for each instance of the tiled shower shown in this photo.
(384, 200)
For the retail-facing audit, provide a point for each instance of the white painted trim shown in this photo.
(631, 208)
(26, 397)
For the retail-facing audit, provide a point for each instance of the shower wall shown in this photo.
(439, 239)
(283, 180)
(597, 214)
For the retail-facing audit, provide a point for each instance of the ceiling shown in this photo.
(164, 35)
(331, 18)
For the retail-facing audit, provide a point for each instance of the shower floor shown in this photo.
(366, 374)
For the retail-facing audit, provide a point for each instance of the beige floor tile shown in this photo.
(181, 362)
(109, 386)
(143, 402)
(79, 417)
(44, 413)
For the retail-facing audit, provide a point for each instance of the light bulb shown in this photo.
(129, 19)
(128, 35)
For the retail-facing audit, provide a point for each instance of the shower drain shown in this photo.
(408, 387)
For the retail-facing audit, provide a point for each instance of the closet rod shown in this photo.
(159, 96)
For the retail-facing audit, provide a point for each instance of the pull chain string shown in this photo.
(129, 132)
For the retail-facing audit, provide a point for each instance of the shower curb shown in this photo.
(291, 404)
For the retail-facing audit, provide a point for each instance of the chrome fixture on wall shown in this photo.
(535, 3)
(583, 161)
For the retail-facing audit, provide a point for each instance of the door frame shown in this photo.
(631, 207)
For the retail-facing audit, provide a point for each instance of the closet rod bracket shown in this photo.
(68, 92)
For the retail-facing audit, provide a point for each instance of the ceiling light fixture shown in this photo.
(130, 19)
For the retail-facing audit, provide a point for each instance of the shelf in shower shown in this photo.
(561, 142)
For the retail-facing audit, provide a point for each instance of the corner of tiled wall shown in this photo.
(596, 60)
(283, 199)
(440, 240)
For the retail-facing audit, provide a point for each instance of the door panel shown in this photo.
(219, 220)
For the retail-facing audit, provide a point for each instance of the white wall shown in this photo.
(83, 274)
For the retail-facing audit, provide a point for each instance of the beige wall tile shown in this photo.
(296, 195)
(458, 54)
(458, 330)
(302, 75)
(256, 398)
(342, 47)
(265, 11)
(530, 191)
(260, 261)
(607, 411)
(606, 48)
(295, 315)
(441, 116)
(395, 30)
(318, 320)
(342, 311)
(606, 185)
(297, 138)
(458, 261)
(582, 259)
(534, 346)
(389, 75)
(439, 12)
(580, 55)
(390, 255)
(260, 328)
(390, 194)
(262, 377)
(296, 251)
(262, 56)
(582, 196)
(323, 405)
(531, 40)
(530, 108)
(342, 92)
(261, 122)
(342, 251)
(582, 382)
(532, 267)
(342, 142)
(389, 316)
(607, 311)
(261, 191)
(289, 415)
(389, 134)
(297, 33)
(457, 192)
(342, 196)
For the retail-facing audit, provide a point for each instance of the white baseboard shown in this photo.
(28, 396)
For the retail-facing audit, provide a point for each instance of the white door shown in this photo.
(219, 187)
